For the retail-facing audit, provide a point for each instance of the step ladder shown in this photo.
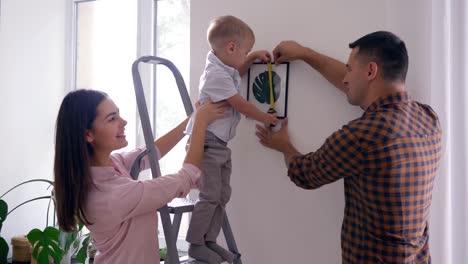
(178, 206)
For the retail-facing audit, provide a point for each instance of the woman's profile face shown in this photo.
(108, 131)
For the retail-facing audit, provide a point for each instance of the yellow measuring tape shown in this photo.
(270, 80)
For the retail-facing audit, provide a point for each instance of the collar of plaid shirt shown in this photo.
(389, 99)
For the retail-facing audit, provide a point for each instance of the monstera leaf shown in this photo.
(83, 252)
(261, 87)
(45, 243)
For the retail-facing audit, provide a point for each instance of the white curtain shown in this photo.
(448, 86)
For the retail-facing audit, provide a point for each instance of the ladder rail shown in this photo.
(172, 255)
(171, 229)
(230, 241)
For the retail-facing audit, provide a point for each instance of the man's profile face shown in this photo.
(355, 80)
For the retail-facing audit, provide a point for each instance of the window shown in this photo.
(173, 43)
(109, 36)
(106, 33)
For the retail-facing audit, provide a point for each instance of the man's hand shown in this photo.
(278, 140)
(274, 140)
(288, 51)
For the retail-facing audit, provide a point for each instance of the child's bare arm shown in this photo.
(248, 109)
(262, 55)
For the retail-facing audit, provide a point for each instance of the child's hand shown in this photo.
(271, 120)
(263, 55)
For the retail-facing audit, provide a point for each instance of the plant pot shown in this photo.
(22, 249)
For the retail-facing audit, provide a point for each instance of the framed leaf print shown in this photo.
(258, 87)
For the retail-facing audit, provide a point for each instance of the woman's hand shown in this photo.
(206, 113)
(210, 111)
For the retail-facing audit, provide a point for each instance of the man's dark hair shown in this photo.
(387, 50)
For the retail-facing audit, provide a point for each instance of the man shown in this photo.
(388, 157)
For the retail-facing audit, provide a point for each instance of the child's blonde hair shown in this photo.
(227, 28)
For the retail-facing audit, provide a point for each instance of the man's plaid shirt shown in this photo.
(388, 159)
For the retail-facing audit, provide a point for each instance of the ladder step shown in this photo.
(187, 260)
(181, 205)
(194, 261)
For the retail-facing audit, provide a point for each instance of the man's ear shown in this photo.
(89, 136)
(372, 70)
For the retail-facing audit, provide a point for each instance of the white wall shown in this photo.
(411, 20)
(274, 221)
(32, 84)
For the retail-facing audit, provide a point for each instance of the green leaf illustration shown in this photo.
(261, 87)
(45, 243)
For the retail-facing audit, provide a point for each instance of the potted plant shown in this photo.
(50, 242)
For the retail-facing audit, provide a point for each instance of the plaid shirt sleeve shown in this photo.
(339, 157)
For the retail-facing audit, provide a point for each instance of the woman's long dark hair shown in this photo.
(72, 156)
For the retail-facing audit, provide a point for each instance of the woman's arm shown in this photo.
(170, 139)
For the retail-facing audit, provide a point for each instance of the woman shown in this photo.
(94, 187)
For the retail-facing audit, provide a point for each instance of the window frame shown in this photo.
(147, 18)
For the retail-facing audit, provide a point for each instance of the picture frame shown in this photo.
(258, 88)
